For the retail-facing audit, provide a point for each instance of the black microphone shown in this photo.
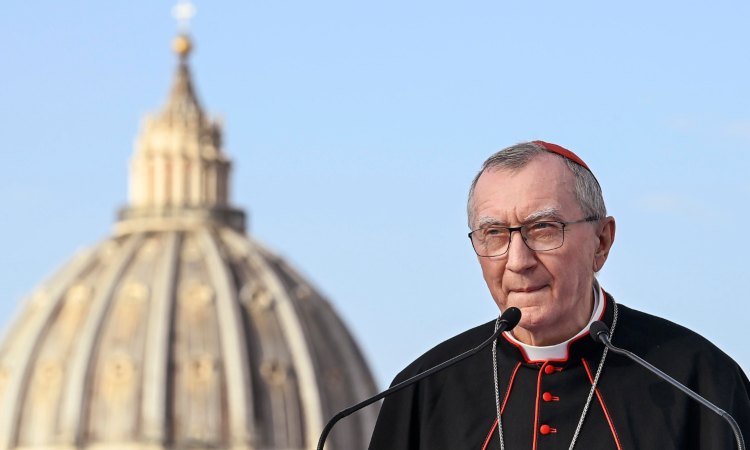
(600, 333)
(508, 320)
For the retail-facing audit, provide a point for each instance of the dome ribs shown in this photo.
(156, 375)
(198, 411)
(48, 301)
(303, 365)
(232, 338)
(76, 390)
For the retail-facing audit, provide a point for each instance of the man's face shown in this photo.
(553, 289)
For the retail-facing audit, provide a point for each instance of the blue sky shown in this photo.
(356, 128)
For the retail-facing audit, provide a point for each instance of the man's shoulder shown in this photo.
(448, 349)
(647, 334)
(649, 329)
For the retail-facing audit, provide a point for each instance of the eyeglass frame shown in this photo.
(523, 238)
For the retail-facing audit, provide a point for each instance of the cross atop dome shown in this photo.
(183, 11)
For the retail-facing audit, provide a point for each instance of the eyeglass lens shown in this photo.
(538, 236)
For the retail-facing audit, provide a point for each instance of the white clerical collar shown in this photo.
(560, 351)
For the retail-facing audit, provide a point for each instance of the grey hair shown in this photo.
(587, 189)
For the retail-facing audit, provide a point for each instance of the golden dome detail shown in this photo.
(182, 45)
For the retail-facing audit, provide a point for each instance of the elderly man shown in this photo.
(541, 232)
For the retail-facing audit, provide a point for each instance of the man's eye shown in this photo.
(539, 226)
(490, 232)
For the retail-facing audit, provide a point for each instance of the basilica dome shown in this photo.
(179, 330)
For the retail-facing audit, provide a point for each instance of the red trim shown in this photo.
(520, 349)
(537, 361)
(604, 407)
(502, 408)
(604, 309)
(510, 386)
(489, 436)
(536, 403)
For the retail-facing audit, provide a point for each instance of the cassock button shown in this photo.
(547, 397)
(549, 370)
(546, 429)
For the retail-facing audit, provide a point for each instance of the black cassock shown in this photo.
(542, 401)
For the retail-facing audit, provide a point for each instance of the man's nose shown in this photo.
(520, 256)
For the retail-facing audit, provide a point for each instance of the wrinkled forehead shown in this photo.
(542, 189)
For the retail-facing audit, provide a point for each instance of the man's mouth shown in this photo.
(527, 290)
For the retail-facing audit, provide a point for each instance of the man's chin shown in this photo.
(529, 303)
(532, 318)
(532, 306)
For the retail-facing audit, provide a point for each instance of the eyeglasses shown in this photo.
(538, 236)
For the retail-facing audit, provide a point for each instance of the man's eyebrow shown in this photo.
(487, 221)
(543, 214)
(546, 213)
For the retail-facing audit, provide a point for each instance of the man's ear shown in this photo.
(605, 239)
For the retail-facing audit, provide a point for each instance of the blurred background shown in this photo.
(355, 130)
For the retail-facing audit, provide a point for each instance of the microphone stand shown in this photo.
(599, 331)
(507, 321)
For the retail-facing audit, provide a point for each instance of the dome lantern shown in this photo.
(179, 174)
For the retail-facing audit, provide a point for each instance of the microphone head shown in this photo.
(511, 317)
(598, 329)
